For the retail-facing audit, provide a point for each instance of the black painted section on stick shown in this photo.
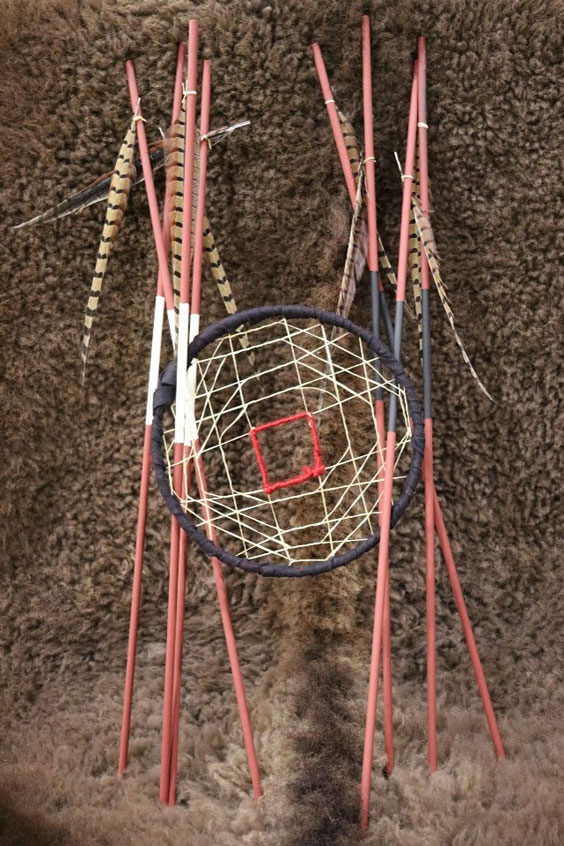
(427, 380)
(375, 301)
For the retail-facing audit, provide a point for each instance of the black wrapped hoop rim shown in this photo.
(164, 397)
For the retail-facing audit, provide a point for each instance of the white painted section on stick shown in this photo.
(191, 431)
(181, 362)
(155, 356)
(172, 327)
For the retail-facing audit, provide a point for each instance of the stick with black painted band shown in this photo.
(158, 315)
(433, 513)
(376, 294)
(383, 551)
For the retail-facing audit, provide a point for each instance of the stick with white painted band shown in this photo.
(182, 358)
(191, 447)
(188, 320)
(146, 465)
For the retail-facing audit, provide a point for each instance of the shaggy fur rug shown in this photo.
(70, 456)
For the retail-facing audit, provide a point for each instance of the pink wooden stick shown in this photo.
(467, 628)
(192, 447)
(383, 550)
(146, 466)
(334, 118)
(164, 272)
(193, 330)
(223, 600)
(349, 179)
(166, 747)
(432, 504)
(373, 268)
(428, 455)
(369, 145)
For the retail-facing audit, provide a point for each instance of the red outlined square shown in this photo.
(307, 472)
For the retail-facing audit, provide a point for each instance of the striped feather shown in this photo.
(429, 246)
(414, 260)
(356, 253)
(351, 144)
(175, 143)
(220, 277)
(174, 147)
(118, 193)
(353, 152)
(93, 193)
(98, 190)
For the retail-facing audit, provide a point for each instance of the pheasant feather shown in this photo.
(98, 190)
(174, 147)
(120, 185)
(159, 152)
(219, 275)
(93, 193)
(414, 260)
(351, 144)
(429, 246)
(356, 254)
(353, 152)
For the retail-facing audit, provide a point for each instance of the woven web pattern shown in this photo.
(301, 367)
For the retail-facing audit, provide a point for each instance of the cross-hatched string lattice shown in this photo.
(286, 454)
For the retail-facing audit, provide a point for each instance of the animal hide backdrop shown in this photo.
(71, 451)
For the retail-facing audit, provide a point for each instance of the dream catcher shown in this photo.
(287, 441)
(323, 511)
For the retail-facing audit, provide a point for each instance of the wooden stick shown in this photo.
(379, 399)
(192, 447)
(193, 331)
(345, 164)
(428, 455)
(379, 305)
(146, 463)
(433, 514)
(467, 628)
(182, 358)
(383, 550)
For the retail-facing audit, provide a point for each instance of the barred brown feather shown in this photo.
(354, 155)
(356, 253)
(414, 260)
(429, 246)
(120, 185)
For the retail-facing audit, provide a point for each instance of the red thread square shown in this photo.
(307, 472)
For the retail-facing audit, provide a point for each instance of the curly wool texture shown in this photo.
(70, 458)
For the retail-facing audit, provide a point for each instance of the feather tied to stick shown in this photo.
(174, 151)
(170, 145)
(356, 253)
(429, 247)
(414, 260)
(354, 156)
(118, 193)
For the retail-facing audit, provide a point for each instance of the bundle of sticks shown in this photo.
(417, 255)
(417, 252)
(185, 228)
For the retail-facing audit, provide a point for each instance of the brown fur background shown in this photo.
(69, 461)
